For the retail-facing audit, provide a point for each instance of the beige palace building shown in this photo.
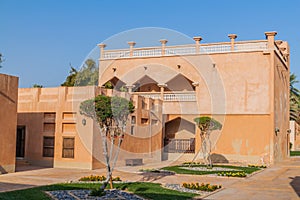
(242, 84)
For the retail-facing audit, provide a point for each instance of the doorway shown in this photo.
(20, 147)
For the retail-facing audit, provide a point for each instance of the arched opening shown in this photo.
(146, 84)
(114, 83)
(180, 83)
(179, 136)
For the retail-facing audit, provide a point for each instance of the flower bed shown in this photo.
(203, 187)
(97, 178)
(258, 166)
(232, 174)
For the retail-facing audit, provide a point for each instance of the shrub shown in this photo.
(232, 174)
(97, 178)
(258, 166)
(97, 192)
(203, 187)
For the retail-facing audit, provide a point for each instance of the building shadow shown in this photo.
(22, 168)
(2, 170)
(155, 175)
(7, 187)
(295, 183)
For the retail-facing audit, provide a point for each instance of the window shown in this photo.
(48, 146)
(68, 147)
(144, 105)
(132, 130)
(144, 121)
(133, 120)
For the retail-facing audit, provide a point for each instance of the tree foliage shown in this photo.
(70, 80)
(294, 99)
(37, 86)
(206, 125)
(111, 114)
(88, 75)
(1, 60)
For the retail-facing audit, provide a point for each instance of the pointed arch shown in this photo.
(114, 83)
(146, 84)
(180, 83)
(180, 128)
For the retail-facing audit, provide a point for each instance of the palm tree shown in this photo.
(294, 99)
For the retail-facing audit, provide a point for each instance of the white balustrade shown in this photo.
(180, 50)
(176, 96)
(250, 46)
(147, 52)
(150, 95)
(186, 50)
(215, 48)
(180, 97)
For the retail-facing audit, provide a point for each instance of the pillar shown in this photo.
(163, 46)
(131, 45)
(129, 87)
(101, 46)
(162, 90)
(270, 36)
(197, 40)
(232, 38)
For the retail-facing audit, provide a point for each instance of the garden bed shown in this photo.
(199, 169)
(141, 189)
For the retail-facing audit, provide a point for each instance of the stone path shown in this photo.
(280, 182)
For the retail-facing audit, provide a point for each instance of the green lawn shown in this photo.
(177, 169)
(295, 153)
(147, 190)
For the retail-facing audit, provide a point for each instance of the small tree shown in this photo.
(206, 126)
(70, 80)
(88, 75)
(1, 60)
(110, 114)
(37, 86)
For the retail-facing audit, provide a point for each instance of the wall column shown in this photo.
(131, 45)
(162, 90)
(232, 38)
(101, 46)
(129, 87)
(163, 46)
(197, 40)
(270, 36)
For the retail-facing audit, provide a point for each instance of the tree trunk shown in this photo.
(111, 182)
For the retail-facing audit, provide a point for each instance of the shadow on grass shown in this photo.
(295, 183)
(153, 176)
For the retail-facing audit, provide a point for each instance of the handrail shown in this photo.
(190, 49)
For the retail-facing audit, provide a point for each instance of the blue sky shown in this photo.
(39, 38)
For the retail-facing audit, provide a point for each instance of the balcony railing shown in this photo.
(176, 96)
(179, 145)
(192, 49)
(180, 97)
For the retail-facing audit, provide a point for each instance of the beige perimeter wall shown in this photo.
(8, 122)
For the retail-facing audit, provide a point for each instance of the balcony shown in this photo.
(181, 50)
(170, 96)
(179, 145)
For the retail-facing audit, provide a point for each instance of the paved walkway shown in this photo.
(281, 181)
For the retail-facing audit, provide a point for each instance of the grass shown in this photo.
(294, 153)
(147, 190)
(177, 169)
